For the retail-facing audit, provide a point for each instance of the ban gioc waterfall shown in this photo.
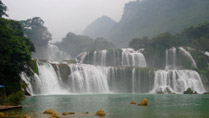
(115, 71)
(143, 59)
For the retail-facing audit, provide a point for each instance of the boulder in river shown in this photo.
(143, 102)
(2, 115)
(132, 102)
(100, 113)
(49, 111)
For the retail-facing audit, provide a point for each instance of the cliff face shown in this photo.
(151, 17)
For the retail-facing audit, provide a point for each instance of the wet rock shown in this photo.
(2, 115)
(55, 115)
(64, 113)
(143, 102)
(132, 102)
(190, 91)
(71, 112)
(27, 116)
(49, 111)
(206, 93)
(100, 113)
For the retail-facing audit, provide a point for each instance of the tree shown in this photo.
(137, 43)
(14, 54)
(35, 30)
(3, 9)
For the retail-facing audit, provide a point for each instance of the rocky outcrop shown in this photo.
(2, 115)
(100, 113)
(143, 102)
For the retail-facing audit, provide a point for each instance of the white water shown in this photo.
(130, 57)
(168, 64)
(54, 54)
(133, 80)
(186, 53)
(85, 78)
(177, 81)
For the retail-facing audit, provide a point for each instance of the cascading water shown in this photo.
(186, 53)
(113, 71)
(131, 57)
(177, 81)
(118, 57)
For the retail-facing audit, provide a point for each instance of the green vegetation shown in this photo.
(35, 30)
(15, 56)
(196, 37)
(75, 44)
(151, 17)
(34, 66)
(16, 98)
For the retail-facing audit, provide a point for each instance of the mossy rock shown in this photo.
(132, 102)
(100, 113)
(190, 91)
(34, 66)
(49, 111)
(2, 115)
(143, 102)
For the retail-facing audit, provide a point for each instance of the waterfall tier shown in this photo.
(114, 57)
(116, 71)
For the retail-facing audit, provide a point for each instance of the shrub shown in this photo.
(16, 98)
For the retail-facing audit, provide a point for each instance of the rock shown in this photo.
(55, 115)
(100, 113)
(86, 112)
(206, 93)
(2, 115)
(190, 91)
(143, 102)
(64, 113)
(132, 102)
(49, 111)
(71, 112)
(27, 116)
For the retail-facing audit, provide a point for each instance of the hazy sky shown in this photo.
(63, 16)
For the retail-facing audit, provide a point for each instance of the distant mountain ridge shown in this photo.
(100, 27)
(151, 17)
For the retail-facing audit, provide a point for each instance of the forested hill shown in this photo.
(151, 17)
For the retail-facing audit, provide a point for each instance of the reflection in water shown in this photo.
(117, 106)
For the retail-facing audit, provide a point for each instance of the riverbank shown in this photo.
(8, 107)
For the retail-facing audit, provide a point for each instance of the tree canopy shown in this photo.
(40, 36)
(14, 54)
(3, 9)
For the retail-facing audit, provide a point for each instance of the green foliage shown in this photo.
(3, 9)
(16, 98)
(137, 43)
(34, 66)
(75, 44)
(35, 30)
(14, 54)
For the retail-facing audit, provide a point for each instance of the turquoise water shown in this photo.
(116, 106)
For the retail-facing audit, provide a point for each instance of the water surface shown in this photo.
(116, 106)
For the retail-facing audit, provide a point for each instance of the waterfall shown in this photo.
(170, 53)
(87, 79)
(177, 81)
(133, 80)
(54, 54)
(130, 57)
(186, 53)
(118, 57)
(113, 71)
